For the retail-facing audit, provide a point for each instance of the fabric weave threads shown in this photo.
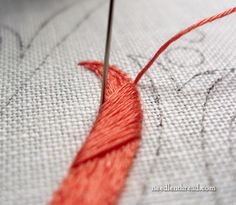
(98, 172)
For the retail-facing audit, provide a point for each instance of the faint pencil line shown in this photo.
(202, 131)
(55, 47)
(208, 72)
(196, 63)
(201, 38)
(232, 120)
(48, 20)
(16, 34)
(170, 74)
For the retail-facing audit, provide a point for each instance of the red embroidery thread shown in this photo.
(99, 170)
(179, 35)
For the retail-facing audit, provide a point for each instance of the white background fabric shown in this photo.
(48, 103)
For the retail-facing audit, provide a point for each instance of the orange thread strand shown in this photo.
(99, 170)
(179, 35)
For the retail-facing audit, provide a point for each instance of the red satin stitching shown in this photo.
(99, 170)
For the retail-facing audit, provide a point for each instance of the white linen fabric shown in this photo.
(48, 103)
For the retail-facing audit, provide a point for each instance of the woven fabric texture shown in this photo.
(48, 103)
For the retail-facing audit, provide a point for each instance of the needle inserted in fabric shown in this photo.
(107, 50)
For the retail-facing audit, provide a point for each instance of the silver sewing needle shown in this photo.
(107, 50)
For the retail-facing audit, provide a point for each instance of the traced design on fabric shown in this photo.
(48, 20)
(81, 21)
(231, 143)
(198, 56)
(209, 92)
(199, 37)
(16, 34)
(135, 58)
(208, 72)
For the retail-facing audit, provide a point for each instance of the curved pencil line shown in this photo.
(48, 20)
(54, 48)
(208, 72)
(134, 59)
(199, 40)
(184, 48)
(232, 121)
(202, 131)
(16, 34)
